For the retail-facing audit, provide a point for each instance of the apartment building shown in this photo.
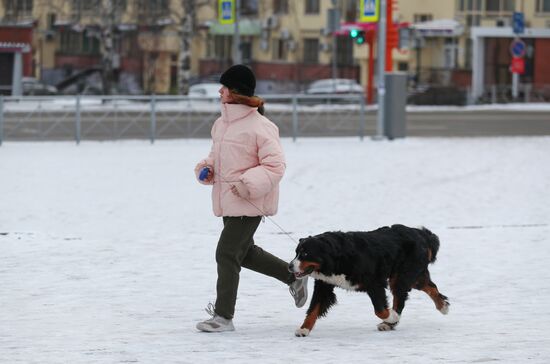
(285, 41)
(446, 32)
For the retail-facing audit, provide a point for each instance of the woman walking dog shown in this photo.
(244, 167)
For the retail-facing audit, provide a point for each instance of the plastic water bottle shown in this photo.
(204, 173)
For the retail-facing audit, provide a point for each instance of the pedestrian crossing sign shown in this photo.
(370, 11)
(226, 11)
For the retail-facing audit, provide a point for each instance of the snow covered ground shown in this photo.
(107, 252)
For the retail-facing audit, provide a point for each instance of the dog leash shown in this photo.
(263, 213)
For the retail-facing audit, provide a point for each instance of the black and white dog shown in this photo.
(367, 262)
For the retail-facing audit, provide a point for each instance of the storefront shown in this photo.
(15, 57)
(492, 58)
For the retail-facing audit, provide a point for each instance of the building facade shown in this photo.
(286, 42)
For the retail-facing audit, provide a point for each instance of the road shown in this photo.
(133, 124)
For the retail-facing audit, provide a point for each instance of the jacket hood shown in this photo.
(232, 112)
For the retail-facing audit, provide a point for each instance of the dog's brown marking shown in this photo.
(434, 294)
(384, 314)
(305, 265)
(311, 318)
(429, 255)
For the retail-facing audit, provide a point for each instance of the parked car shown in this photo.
(334, 86)
(208, 91)
(31, 86)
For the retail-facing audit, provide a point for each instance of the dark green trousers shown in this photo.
(236, 249)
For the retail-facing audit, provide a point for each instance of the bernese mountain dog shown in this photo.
(367, 262)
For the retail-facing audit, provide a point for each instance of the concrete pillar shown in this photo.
(478, 66)
(16, 84)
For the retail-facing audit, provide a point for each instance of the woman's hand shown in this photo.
(239, 189)
(235, 191)
(210, 176)
(206, 174)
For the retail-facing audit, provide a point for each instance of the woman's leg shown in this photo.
(266, 263)
(232, 249)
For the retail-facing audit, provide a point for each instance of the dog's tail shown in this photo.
(433, 243)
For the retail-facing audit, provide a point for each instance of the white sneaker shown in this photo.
(216, 323)
(298, 290)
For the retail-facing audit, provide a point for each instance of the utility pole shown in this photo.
(186, 34)
(108, 51)
(237, 59)
(381, 63)
(334, 25)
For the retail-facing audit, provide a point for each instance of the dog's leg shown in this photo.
(441, 301)
(400, 291)
(323, 298)
(380, 302)
(425, 284)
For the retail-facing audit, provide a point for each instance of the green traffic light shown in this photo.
(360, 40)
(354, 33)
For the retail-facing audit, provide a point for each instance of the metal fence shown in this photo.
(161, 117)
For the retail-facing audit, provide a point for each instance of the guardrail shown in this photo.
(160, 117)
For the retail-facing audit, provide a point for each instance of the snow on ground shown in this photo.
(108, 252)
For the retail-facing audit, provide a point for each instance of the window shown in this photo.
(344, 51)
(508, 5)
(249, 7)
(468, 54)
(222, 47)
(492, 5)
(19, 7)
(279, 50)
(473, 20)
(311, 50)
(85, 5)
(158, 7)
(543, 6)
(312, 6)
(420, 18)
(499, 5)
(152, 8)
(51, 20)
(350, 11)
(78, 43)
(119, 5)
(280, 6)
(469, 5)
(246, 52)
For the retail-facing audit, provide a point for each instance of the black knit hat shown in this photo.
(240, 78)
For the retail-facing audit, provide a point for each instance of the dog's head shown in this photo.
(313, 254)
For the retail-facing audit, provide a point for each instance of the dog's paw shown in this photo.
(445, 308)
(386, 326)
(301, 332)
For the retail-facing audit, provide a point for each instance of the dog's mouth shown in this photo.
(304, 273)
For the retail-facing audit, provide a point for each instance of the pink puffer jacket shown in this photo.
(246, 152)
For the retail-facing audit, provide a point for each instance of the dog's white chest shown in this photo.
(336, 280)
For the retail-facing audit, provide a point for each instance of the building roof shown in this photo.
(439, 28)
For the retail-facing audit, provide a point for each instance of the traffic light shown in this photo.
(357, 35)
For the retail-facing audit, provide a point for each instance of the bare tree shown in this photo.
(187, 30)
